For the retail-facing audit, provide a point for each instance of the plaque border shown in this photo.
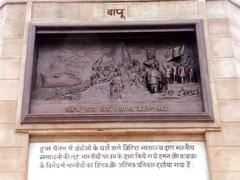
(34, 28)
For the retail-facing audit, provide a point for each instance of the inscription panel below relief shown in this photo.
(118, 160)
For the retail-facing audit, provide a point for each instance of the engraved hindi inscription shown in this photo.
(116, 11)
(118, 160)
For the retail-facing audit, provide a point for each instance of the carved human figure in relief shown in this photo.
(182, 73)
(174, 73)
(169, 72)
(191, 74)
(153, 80)
(116, 86)
(151, 71)
(151, 59)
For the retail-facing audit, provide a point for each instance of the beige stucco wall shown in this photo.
(222, 36)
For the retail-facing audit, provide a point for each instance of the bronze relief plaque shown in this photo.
(131, 72)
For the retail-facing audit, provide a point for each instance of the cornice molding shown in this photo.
(3, 3)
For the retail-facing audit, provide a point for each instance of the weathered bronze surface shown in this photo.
(116, 73)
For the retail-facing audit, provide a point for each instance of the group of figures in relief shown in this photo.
(175, 77)
(120, 72)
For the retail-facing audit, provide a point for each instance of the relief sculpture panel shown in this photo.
(107, 71)
(160, 74)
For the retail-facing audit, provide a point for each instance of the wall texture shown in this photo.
(224, 31)
(222, 35)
